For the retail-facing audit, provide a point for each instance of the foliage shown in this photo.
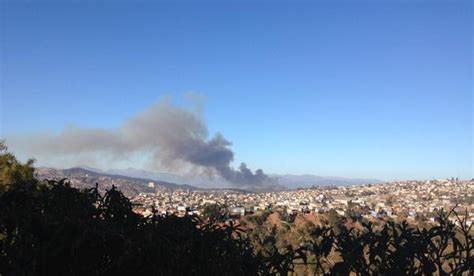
(396, 249)
(258, 218)
(54, 229)
(12, 171)
(214, 213)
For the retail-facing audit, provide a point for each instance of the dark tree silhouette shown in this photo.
(52, 229)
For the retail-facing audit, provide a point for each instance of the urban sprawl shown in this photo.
(410, 200)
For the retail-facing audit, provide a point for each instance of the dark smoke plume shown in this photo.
(168, 133)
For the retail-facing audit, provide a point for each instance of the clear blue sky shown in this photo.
(346, 88)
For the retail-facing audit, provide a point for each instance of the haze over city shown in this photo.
(360, 90)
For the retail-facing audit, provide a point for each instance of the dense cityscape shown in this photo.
(414, 200)
(411, 200)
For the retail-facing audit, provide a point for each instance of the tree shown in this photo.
(333, 217)
(389, 200)
(215, 212)
(52, 228)
(12, 171)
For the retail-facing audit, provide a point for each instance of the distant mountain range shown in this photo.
(134, 181)
(287, 180)
(284, 181)
(196, 180)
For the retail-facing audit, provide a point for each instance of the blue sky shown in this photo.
(354, 89)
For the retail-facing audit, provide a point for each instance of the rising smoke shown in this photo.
(168, 134)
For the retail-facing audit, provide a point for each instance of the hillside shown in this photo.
(130, 186)
(283, 181)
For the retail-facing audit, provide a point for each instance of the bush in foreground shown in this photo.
(54, 229)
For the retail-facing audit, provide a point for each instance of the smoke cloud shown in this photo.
(167, 133)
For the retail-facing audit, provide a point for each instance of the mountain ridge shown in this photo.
(289, 181)
(134, 181)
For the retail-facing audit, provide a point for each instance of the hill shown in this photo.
(87, 178)
(133, 181)
(284, 181)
